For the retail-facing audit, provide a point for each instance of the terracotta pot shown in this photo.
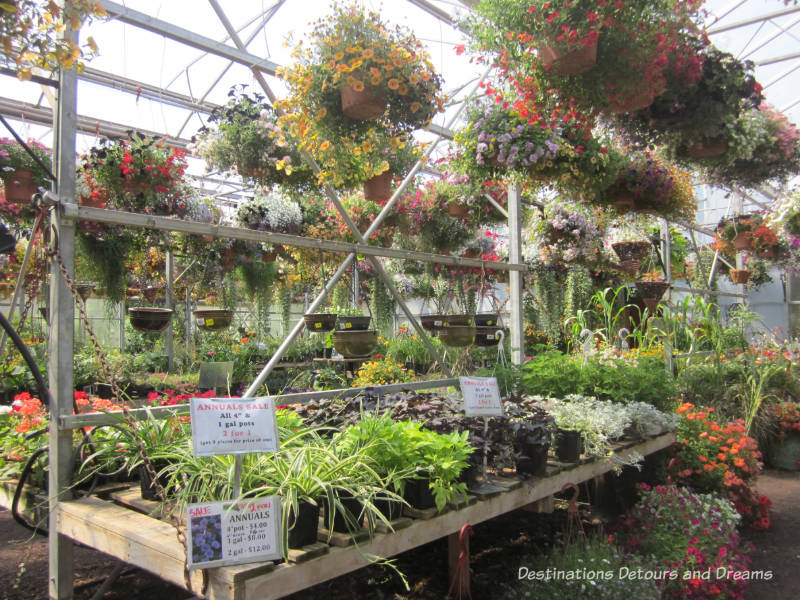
(370, 103)
(213, 319)
(149, 319)
(707, 149)
(457, 211)
(351, 344)
(743, 241)
(20, 186)
(458, 336)
(379, 188)
(320, 322)
(566, 63)
(739, 276)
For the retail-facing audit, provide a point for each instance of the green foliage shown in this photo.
(554, 374)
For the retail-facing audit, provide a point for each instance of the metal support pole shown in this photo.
(62, 331)
(188, 329)
(515, 277)
(122, 326)
(169, 334)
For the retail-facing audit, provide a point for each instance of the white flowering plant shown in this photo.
(647, 420)
(271, 211)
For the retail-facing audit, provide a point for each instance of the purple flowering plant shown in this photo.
(564, 233)
(496, 138)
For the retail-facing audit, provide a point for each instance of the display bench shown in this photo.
(122, 526)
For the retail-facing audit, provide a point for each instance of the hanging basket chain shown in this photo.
(168, 505)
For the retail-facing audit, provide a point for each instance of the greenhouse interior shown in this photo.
(414, 299)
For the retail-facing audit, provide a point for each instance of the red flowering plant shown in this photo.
(544, 48)
(140, 174)
(717, 455)
(786, 417)
(693, 539)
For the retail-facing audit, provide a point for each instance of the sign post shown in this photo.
(482, 399)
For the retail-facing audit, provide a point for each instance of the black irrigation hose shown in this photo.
(20, 484)
(44, 393)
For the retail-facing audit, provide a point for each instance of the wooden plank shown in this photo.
(420, 513)
(284, 581)
(340, 539)
(306, 553)
(394, 525)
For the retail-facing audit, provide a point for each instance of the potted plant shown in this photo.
(736, 233)
(652, 288)
(352, 318)
(707, 89)
(647, 183)
(272, 211)
(356, 73)
(498, 139)
(531, 444)
(546, 46)
(22, 177)
(762, 146)
(244, 136)
(783, 449)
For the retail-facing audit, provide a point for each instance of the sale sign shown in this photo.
(481, 396)
(233, 425)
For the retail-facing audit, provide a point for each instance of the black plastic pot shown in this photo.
(569, 445)
(353, 322)
(532, 459)
(213, 319)
(391, 509)
(345, 522)
(304, 527)
(487, 319)
(319, 322)
(418, 494)
(146, 484)
(149, 319)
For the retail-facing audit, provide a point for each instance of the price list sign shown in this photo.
(481, 396)
(233, 425)
(230, 533)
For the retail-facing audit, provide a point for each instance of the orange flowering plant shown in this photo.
(353, 47)
(717, 455)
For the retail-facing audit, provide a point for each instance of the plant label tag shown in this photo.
(209, 322)
(348, 325)
(233, 533)
(437, 324)
(317, 325)
(233, 425)
(481, 396)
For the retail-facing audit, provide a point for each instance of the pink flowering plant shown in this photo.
(693, 538)
(566, 233)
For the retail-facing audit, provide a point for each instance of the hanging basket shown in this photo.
(320, 322)
(432, 322)
(457, 336)
(457, 211)
(369, 103)
(149, 319)
(623, 200)
(739, 276)
(743, 241)
(213, 319)
(652, 290)
(707, 149)
(355, 344)
(488, 336)
(487, 319)
(631, 254)
(5, 289)
(353, 322)
(378, 188)
(565, 63)
(20, 186)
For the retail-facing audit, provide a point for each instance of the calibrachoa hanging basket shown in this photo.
(743, 241)
(364, 104)
(379, 188)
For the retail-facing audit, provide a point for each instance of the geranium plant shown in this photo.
(244, 137)
(353, 48)
(140, 174)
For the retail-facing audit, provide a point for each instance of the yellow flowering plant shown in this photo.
(353, 47)
(382, 372)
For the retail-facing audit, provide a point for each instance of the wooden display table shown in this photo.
(123, 531)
